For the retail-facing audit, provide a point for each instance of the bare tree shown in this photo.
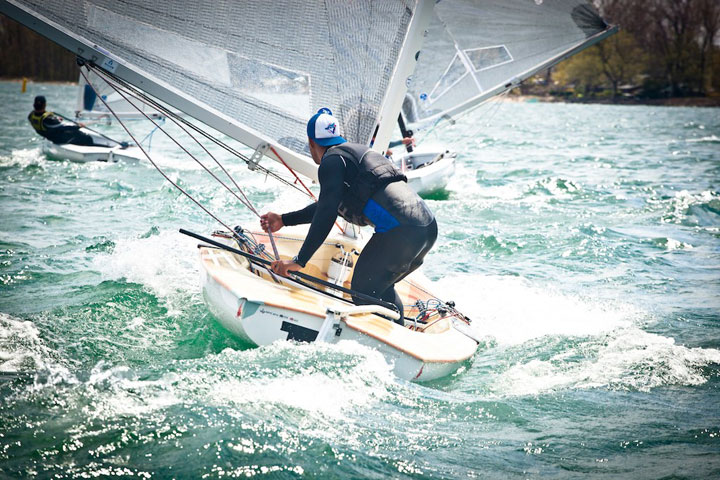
(709, 12)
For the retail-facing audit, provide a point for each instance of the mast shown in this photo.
(403, 71)
(404, 132)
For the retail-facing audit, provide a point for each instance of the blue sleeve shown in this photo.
(331, 176)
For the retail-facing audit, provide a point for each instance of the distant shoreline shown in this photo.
(662, 102)
(49, 82)
(513, 98)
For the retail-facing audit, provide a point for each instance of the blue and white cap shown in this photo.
(323, 129)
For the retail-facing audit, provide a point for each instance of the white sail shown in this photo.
(89, 106)
(254, 70)
(476, 49)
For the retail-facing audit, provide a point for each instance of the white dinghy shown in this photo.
(427, 169)
(241, 293)
(93, 153)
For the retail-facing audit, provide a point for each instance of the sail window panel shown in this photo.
(459, 93)
(453, 74)
(501, 41)
(282, 88)
(437, 68)
(488, 57)
(195, 58)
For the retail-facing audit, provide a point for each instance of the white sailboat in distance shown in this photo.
(89, 107)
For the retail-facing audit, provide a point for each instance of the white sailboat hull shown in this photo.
(84, 154)
(427, 171)
(261, 312)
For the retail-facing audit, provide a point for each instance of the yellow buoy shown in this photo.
(24, 84)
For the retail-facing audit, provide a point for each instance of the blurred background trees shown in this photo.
(24, 53)
(666, 48)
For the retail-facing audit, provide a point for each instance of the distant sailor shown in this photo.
(56, 129)
(365, 189)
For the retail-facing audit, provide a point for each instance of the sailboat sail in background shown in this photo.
(90, 107)
(256, 71)
(477, 49)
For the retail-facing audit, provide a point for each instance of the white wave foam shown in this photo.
(672, 244)
(606, 346)
(23, 350)
(24, 158)
(166, 263)
(709, 139)
(312, 385)
(117, 391)
(512, 310)
(626, 359)
(319, 393)
(20, 345)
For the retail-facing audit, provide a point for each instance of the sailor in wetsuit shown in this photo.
(366, 189)
(54, 128)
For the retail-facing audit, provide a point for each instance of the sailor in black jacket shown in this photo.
(366, 189)
(55, 128)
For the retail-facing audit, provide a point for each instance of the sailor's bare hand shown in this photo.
(271, 222)
(282, 267)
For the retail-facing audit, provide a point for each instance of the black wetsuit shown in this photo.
(405, 228)
(52, 127)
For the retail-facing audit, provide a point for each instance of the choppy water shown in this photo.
(583, 240)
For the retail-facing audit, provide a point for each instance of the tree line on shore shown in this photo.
(665, 48)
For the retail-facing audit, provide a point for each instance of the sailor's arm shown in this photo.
(330, 175)
(300, 217)
(274, 222)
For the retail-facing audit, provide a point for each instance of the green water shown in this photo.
(583, 240)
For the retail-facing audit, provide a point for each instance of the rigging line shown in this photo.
(248, 203)
(150, 101)
(493, 107)
(150, 159)
(245, 201)
(297, 179)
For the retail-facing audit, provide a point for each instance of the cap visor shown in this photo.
(328, 142)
